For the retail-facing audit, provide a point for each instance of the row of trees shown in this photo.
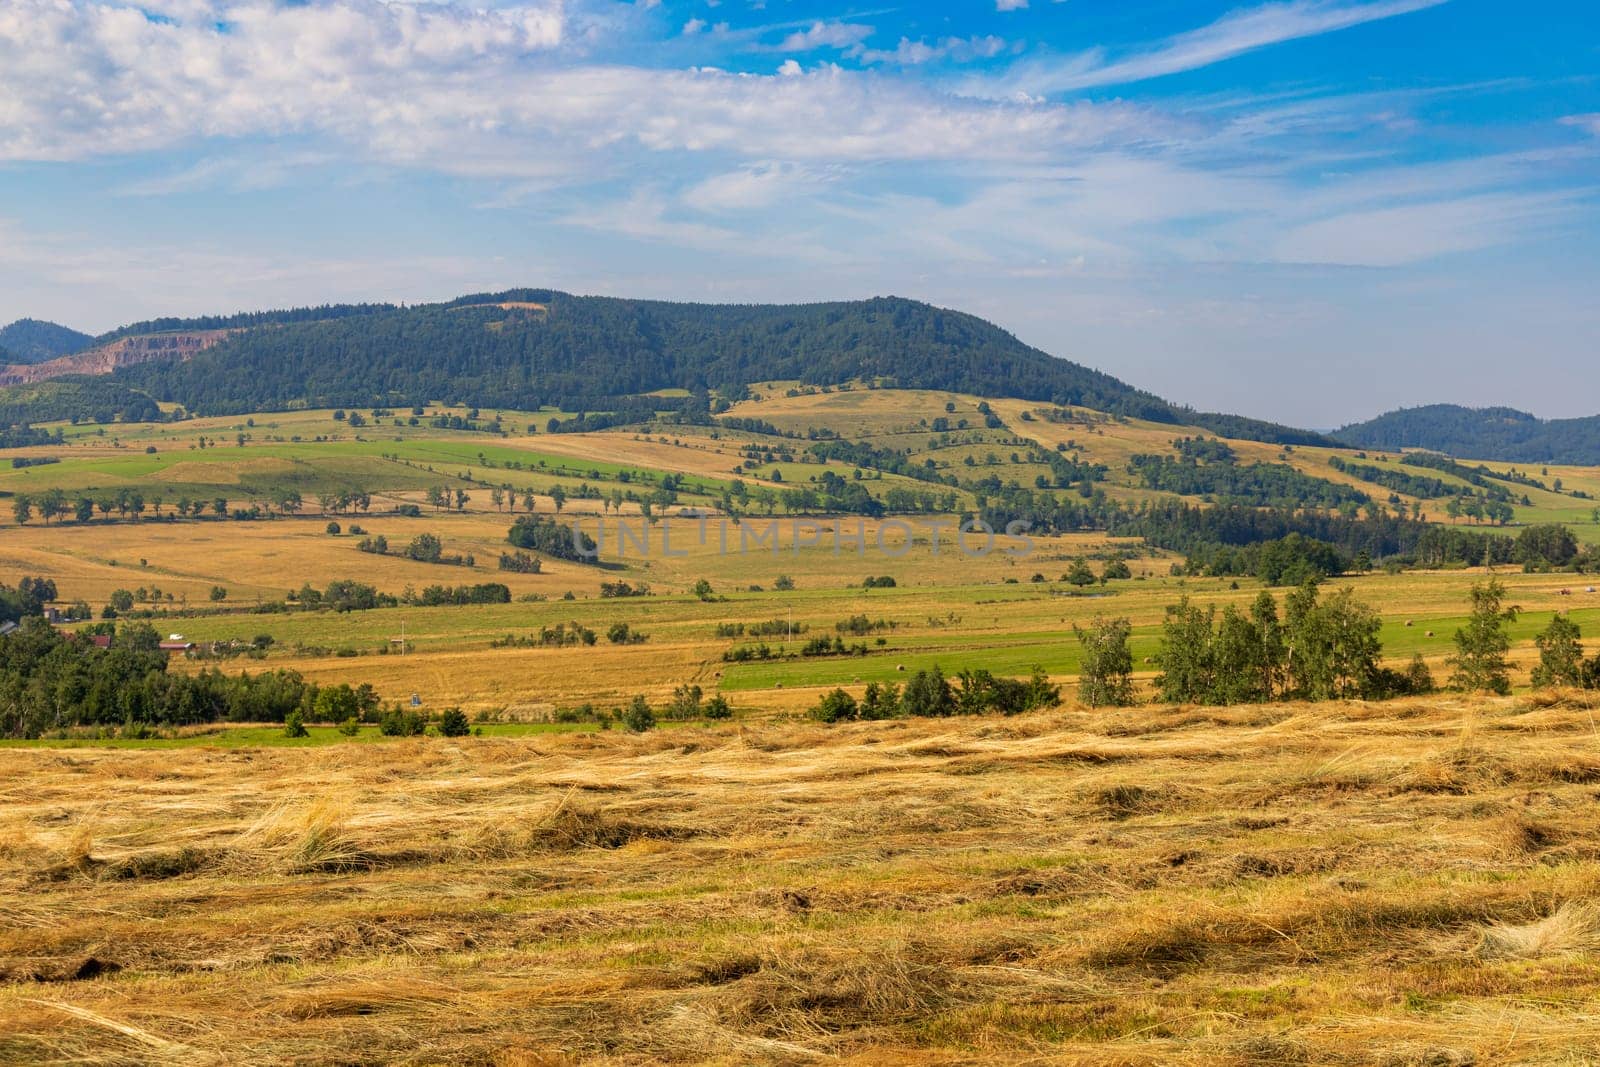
(1309, 647)
(1317, 648)
(1314, 648)
(929, 694)
(1260, 484)
(55, 504)
(53, 680)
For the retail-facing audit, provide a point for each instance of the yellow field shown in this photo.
(951, 609)
(1410, 883)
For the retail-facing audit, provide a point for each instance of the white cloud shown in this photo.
(753, 187)
(474, 92)
(911, 53)
(1010, 5)
(825, 35)
(80, 78)
(1232, 35)
(694, 26)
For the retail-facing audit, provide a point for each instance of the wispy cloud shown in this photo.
(1591, 123)
(909, 53)
(825, 35)
(1232, 35)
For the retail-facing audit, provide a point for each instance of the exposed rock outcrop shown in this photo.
(123, 352)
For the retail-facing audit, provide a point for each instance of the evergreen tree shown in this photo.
(928, 695)
(1560, 654)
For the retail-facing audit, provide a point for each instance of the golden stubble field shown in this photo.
(1409, 883)
(947, 608)
(263, 560)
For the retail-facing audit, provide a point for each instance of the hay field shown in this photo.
(954, 611)
(1410, 883)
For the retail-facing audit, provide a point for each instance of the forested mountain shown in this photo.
(1481, 433)
(32, 341)
(524, 348)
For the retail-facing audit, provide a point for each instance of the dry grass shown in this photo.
(1399, 884)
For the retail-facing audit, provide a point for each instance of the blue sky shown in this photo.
(1310, 210)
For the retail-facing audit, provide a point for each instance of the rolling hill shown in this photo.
(33, 341)
(1503, 434)
(526, 348)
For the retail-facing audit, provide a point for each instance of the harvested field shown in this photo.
(1408, 883)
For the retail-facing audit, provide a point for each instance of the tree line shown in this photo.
(1316, 648)
(51, 680)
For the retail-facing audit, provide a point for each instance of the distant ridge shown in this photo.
(1495, 433)
(35, 341)
(523, 348)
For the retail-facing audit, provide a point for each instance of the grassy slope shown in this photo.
(1343, 884)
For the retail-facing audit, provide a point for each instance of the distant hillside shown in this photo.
(124, 351)
(525, 348)
(91, 399)
(1481, 433)
(32, 341)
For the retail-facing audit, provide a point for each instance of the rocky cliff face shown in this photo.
(123, 352)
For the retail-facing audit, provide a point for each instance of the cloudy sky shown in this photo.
(1309, 210)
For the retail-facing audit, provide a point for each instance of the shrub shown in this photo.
(686, 700)
(294, 725)
(550, 538)
(638, 717)
(334, 529)
(1080, 574)
(398, 723)
(620, 633)
(425, 548)
(928, 695)
(335, 703)
(350, 727)
(717, 708)
(837, 706)
(453, 723)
